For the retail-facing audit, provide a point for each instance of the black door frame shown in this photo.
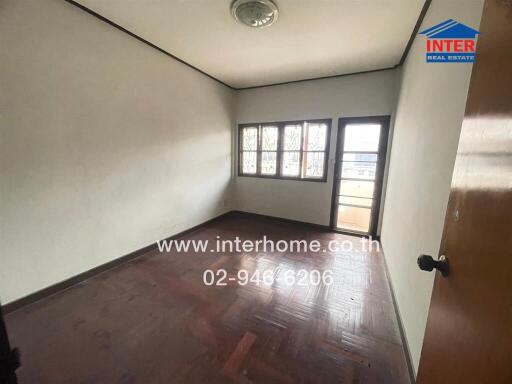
(9, 358)
(379, 176)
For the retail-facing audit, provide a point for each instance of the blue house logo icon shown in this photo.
(450, 42)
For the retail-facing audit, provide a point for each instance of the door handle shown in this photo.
(427, 263)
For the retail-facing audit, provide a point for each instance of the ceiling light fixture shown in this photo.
(254, 13)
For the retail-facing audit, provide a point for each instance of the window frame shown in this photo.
(280, 149)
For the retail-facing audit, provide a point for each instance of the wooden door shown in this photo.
(469, 330)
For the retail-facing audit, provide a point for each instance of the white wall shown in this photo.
(368, 94)
(428, 119)
(106, 145)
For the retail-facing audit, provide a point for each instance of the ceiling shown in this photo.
(311, 38)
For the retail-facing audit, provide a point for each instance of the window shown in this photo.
(287, 150)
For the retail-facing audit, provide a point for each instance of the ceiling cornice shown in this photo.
(421, 16)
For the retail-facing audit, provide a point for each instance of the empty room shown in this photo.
(255, 191)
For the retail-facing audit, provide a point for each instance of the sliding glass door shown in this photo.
(359, 171)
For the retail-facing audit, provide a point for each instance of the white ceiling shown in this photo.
(311, 38)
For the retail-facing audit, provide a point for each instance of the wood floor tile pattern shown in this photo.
(152, 320)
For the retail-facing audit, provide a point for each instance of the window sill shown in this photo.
(318, 180)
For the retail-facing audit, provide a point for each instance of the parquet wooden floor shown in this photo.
(153, 320)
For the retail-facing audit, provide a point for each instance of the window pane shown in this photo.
(358, 170)
(362, 137)
(248, 162)
(291, 165)
(355, 201)
(268, 163)
(250, 139)
(292, 134)
(354, 218)
(360, 157)
(269, 139)
(315, 137)
(356, 188)
(314, 162)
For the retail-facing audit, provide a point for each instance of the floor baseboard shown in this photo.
(281, 219)
(405, 343)
(65, 284)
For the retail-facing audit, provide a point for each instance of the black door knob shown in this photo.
(427, 263)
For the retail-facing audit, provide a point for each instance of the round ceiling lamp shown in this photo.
(254, 13)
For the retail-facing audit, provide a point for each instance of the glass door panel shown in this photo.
(356, 188)
(354, 218)
(355, 201)
(358, 170)
(362, 137)
(359, 166)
